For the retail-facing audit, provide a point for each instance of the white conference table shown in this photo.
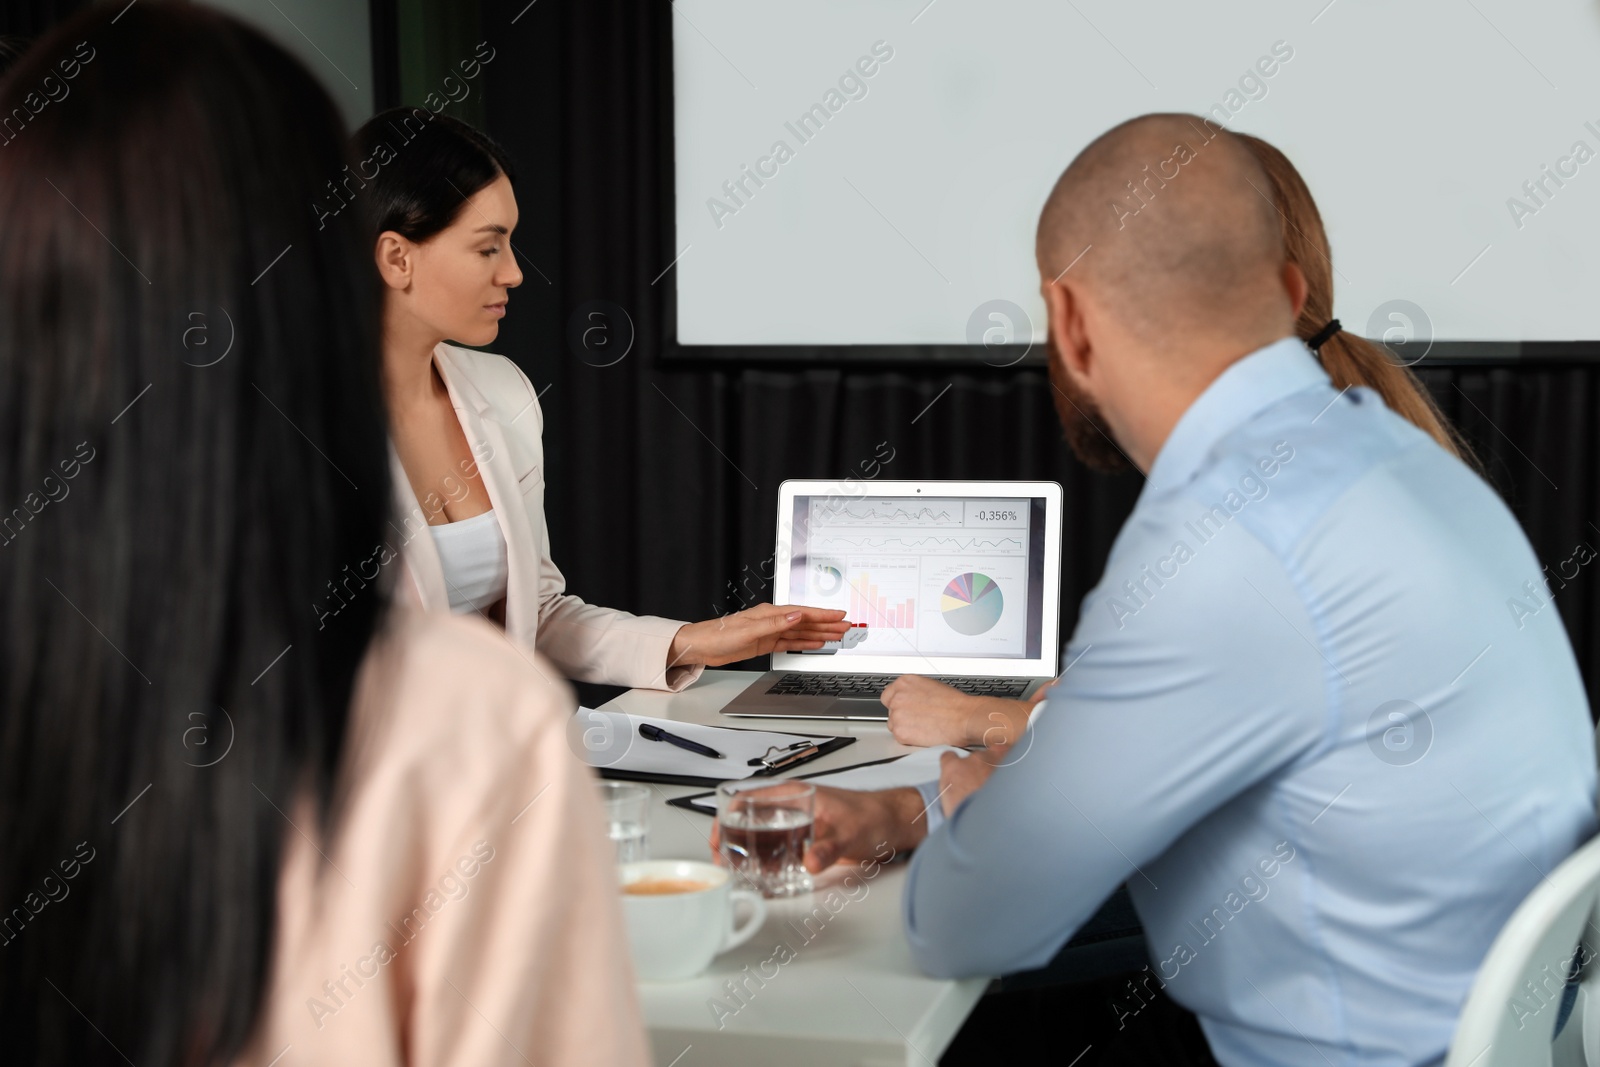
(850, 994)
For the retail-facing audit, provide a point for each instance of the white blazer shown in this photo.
(501, 420)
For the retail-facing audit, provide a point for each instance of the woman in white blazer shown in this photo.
(466, 426)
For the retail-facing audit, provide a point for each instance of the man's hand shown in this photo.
(853, 825)
(925, 712)
(961, 776)
(756, 631)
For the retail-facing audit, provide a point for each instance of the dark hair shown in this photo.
(11, 49)
(426, 166)
(1348, 358)
(192, 446)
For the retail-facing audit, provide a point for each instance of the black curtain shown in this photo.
(663, 479)
(30, 18)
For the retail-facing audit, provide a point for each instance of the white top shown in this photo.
(472, 553)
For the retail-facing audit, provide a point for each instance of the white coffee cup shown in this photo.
(676, 935)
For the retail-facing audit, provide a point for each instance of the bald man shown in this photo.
(1300, 722)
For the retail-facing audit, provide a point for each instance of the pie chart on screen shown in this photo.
(971, 603)
(827, 578)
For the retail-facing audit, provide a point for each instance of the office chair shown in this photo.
(1511, 1014)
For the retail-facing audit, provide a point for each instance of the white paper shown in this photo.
(611, 740)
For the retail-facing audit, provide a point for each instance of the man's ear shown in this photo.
(396, 259)
(1294, 282)
(1068, 335)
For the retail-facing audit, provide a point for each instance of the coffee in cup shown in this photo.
(681, 915)
(654, 887)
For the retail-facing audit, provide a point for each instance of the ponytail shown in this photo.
(1348, 359)
(1352, 360)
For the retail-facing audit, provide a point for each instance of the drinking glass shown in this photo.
(764, 828)
(627, 808)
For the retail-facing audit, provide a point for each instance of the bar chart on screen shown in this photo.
(885, 596)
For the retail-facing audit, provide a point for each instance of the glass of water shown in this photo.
(765, 828)
(627, 808)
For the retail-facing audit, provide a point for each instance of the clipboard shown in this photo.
(687, 803)
(914, 768)
(777, 761)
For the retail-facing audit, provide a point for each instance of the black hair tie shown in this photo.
(1322, 336)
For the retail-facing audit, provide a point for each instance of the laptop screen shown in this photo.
(930, 576)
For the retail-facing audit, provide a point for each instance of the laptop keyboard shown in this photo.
(871, 685)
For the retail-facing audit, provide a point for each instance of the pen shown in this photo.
(656, 733)
(786, 755)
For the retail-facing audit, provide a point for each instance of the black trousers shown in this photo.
(1097, 1022)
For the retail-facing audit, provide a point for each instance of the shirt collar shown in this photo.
(457, 383)
(1258, 380)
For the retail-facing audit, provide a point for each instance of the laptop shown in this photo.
(958, 581)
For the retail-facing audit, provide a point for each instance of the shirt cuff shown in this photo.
(930, 804)
(656, 644)
(681, 677)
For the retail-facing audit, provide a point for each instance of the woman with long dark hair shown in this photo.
(232, 818)
(439, 205)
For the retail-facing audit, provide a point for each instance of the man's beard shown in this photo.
(1082, 424)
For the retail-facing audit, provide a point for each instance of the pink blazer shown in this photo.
(503, 424)
(463, 907)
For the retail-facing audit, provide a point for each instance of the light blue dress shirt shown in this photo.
(1320, 716)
